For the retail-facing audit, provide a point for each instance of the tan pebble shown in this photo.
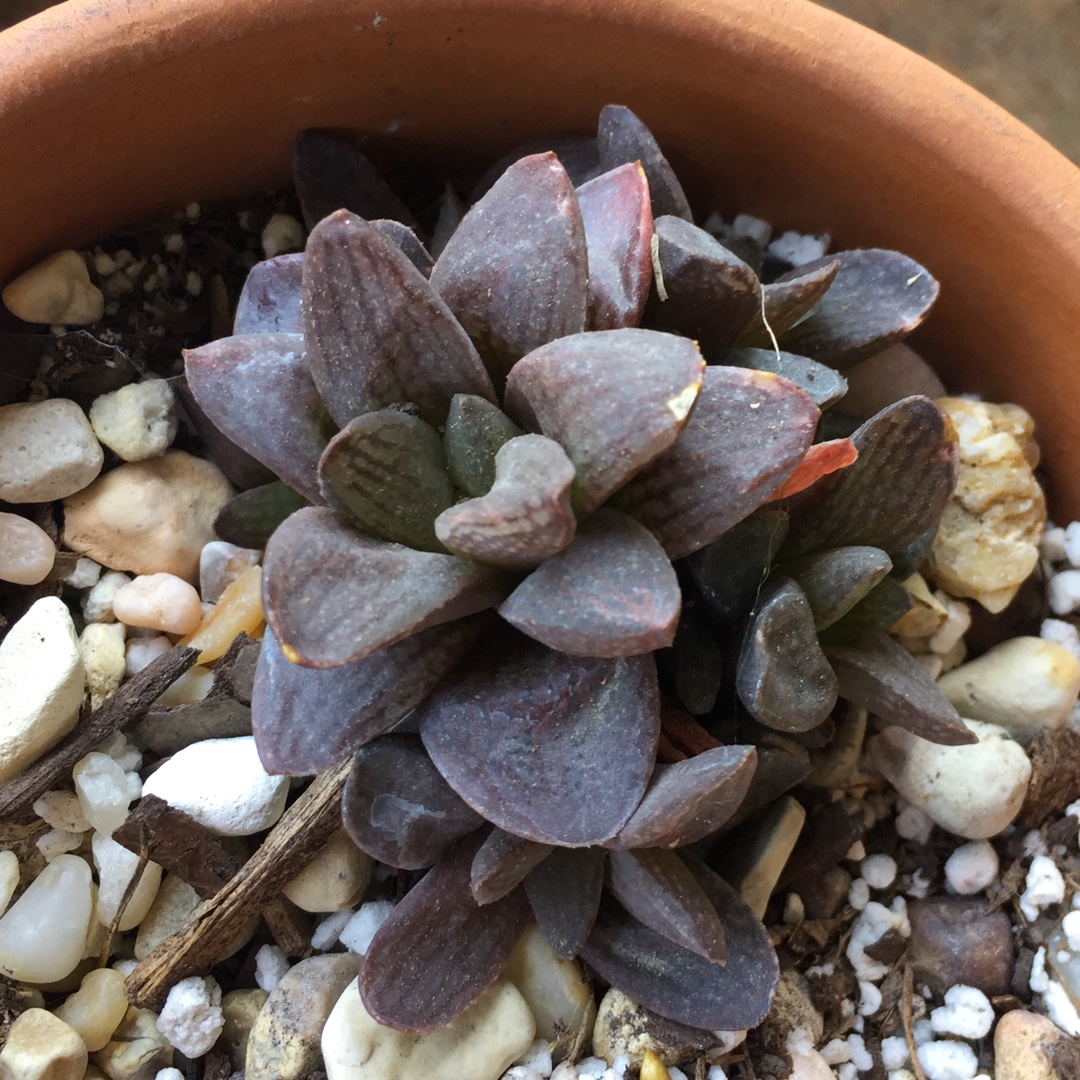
(159, 602)
(988, 540)
(1021, 1039)
(239, 1008)
(96, 1008)
(103, 652)
(41, 1046)
(283, 1043)
(927, 611)
(625, 1028)
(334, 880)
(56, 290)
(137, 1051)
(792, 1009)
(9, 878)
(26, 552)
(169, 913)
(150, 516)
(238, 611)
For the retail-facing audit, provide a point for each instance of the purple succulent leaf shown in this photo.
(515, 272)
(409, 243)
(525, 518)
(397, 807)
(305, 719)
(377, 333)
(333, 595)
(270, 301)
(877, 298)
(655, 887)
(502, 863)
(782, 676)
(550, 747)
(613, 400)
(881, 676)
(250, 518)
(747, 435)
(475, 431)
(439, 950)
(617, 215)
(564, 893)
(788, 299)
(388, 470)
(678, 983)
(257, 389)
(835, 580)
(897, 488)
(612, 592)
(823, 384)
(687, 801)
(709, 294)
(332, 175)
(578, 155)
(622, 139)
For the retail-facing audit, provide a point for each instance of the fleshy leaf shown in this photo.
(515, 272)
(249, 519)
(564, 892)
(408, 242)
(690, 799)
(729, 571)
(305, 719)
(333, 595)
(332, 175)
(783, 678)
(823, 384)
(388, 470)
(271, 297)
(880, 609)
(257, 389)
(618, 223)
(681, 985)
(821, 459)
(711, 294)
(502, 863)
(834, 581)
(612, 592)
(747, 435)
(377, 333)
(788, 299)
(551, 747)
(877, 298)
(439, 950)
(526, 517)
(694, 665)
(655, 887)
(475, 430)
(622, 140)
(397, 807)
(613, 400)
(894, 492)
(577, 153)
(881, 676)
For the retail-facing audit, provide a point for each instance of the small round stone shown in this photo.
(39, 1045)
(159, 602)
(56, 290)
(96, 1008)
(26, 552)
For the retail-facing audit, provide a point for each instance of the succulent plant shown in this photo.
(515, 476)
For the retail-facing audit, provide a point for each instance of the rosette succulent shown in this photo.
(532, 490)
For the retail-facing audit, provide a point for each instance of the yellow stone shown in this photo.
(39, 1045)
(97, 1007)
(927, 611)
(238, 611)
(652, 1068)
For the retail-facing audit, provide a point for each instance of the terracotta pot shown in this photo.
(111, 110)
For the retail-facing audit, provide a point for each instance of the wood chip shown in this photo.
(291, 928)
(307, 825)
(126, 706)
(1055, 776)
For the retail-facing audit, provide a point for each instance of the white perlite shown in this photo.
(105, 791)
(137, 421)
(868, 928)
(1044, 886)
(878, 871)
(191, 1018)
(57, 291)
(967, 1012)
(282, 233)
(971, 867)
(1060, 1009)
(358, 932)
(271, 964)
(47, 451)
(948, 1060)
(97, 604)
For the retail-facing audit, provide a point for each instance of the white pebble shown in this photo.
(85, 575)
(361, 928)
(122, 750)
(142, 652)
(116, 867)
(105, 791)
(894, 1052)
(191, 1018)
(716, 1073)
(192, 686)
(271, 964)
(97, 605)
(58, 842)
(971, 867)
(912, 823)
(956, 625)
(1043, 886)
(869, 999)
(282, 233)
(879, 871)
(1060, 1009)
(948, 1060)
(328, 930)
(799, 248)
(57, 290)
(859, 894)
(592, 1066)
(220, 564)
(168, 1074)
(1070, 543)
(967, 1012)
(26, 552)
(137, 421)
(62, 810)
(1061, 633)
(9, 878)
(674, 1073)
(159, 602)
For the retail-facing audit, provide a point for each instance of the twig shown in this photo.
(129, 892)
(290, 846)
(291, 928)
(124, 707)
(905, 1016)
